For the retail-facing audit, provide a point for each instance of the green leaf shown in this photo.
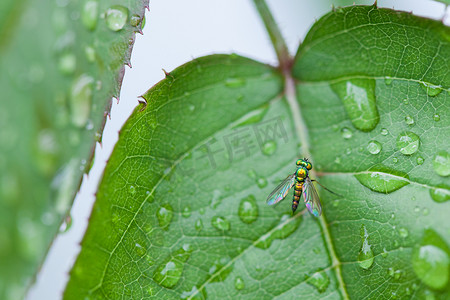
(60, 67)
(181, 213)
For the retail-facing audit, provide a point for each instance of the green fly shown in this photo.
(302, 185)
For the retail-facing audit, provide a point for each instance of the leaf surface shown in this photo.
(60, 65)
(181, 213)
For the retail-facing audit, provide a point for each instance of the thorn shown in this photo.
(167, 74)
(375, 3)
(128, 63)
(140, 31)
(142, 102)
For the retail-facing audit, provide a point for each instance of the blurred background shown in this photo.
(177, 31)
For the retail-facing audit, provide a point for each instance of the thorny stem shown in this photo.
(300, 126)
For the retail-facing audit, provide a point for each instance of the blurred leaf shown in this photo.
(61, 65)
(181, 213)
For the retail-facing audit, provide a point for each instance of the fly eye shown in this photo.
(298, 162)
(308, 166)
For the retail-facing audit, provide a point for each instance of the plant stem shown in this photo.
(279, 45)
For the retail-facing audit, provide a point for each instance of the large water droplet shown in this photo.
(199, 225)
(165, 215)
(346, 133)
(135, 20)
(67, 63)
(365, 256)
(403, 232)
(253, 117)
(374, 147)
(432, 90)
(409, 120)
(408, 142)
(388, 80)
(431, 261)
(261, 182)
(186, 212)
(116, 17)
(170, 270)
(384, 131)
(80, 100)
(358, 97)
(319, 280)
(220, 223)
(420, 160)
(288, 224)
(235, 82)
(89, 14)
(382, 179)
(248, 210)
(441, 163)
(440, 194)
(239, 283)
(436, 117)
(269, 148)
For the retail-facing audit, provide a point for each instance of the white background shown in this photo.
(177, 31)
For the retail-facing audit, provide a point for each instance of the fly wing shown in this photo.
(312, 200)
(280, 192)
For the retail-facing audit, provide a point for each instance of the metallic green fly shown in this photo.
(302, 185)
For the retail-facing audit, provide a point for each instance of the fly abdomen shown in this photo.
(297, 195)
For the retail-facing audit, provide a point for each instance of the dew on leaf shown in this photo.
(384, 254)
(425, 211)
(388, 80)
(358, 97)
(170, 270)
(441, 163)
(417, 209)
(287, 225)
(235, 82)
(403, 232)
(346, 133)
(248, 210)
(430, 260)
(319, 280)
(382, 179)
(132, 190)
(261, 182)
(365, 256)
(90, 54)
(394, 160)
(89, 14)
(239, 283)
(374, 147)
(116, 17)
(135, 20)
(440, 194)
(199, 225)
(432, 90)
(408, 142)
(67, 63)
(186, 212)
(269, 148)
(220, 223)
(165, 215)
(436, 117)
(384, 131)
(420, 160)
(254, 116)
(80, 100)
(409, 120)
(251, 173)
(140, 250)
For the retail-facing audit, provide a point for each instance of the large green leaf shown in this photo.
(61, 62)
(181, 211)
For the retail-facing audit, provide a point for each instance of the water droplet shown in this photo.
(135, 20)
(441, 163)
(261, 182)
(319, 280)
(254, 116)
(251, 173)
(365, 256)
(216, 199)
(374, 147)
(388, 80)
(436, 117)
(432, 90)
(348, 151)
(89, 14)
(201, 211)
(384, 254)
(80, 100)
(403, 232)
(287, 225)
(440, 194)
(384, 131)
(409, 120)
(65, 226)
(116, 17)
(235, 82)
(67, 63)
(335, 203)
(170, 270)
(417, 209)
(346, 133)
(392, 216)
(220, 223)
(358, 97)
(405, 101)
(337, 160)
(394, 160)
(269, 148)
(390, 272)
(248, 210)
(239, 283)
(316, 250)
(425, 211)
(186, 212)
(132, 190)
(408, 142)
(420, 160)
(382, 179)
(431, 261)
(165, 215)
(199, 225)
(140, 250)
(90, 54)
